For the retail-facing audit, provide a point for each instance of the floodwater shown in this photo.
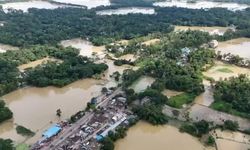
(125, 11)
(24, 6)
(86, 48)
(4, 48)
(144, 136)
(231, 70)
(88, 3)
(228, 140)
(240, 46)
(142, 83)
(206, 98)
(35, 108)
(211, 30)
(201, 5)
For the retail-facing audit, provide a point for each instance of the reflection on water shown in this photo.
(240, 46)
(142, 83)
(125, 11)
(88, 3)
(24, 6)
(144, 136)
(201, 5)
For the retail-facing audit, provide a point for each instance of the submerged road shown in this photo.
(75, 127)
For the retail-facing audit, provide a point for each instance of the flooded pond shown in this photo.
(210, 30)
(240, 46)
(142, 83)
(88, 3)
(125, 11)
(24, 6)
(144, 136)
(151, 42)
(170, 93)
(201, 5)
(4, 48)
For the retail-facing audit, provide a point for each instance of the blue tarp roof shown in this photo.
(52, 131)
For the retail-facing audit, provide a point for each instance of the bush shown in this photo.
(24, 131)
(231, 125)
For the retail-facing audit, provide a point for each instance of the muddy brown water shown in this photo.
(211, 30)
(240, 46)
(144, 136)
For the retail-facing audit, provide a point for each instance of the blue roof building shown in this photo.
(52, 131)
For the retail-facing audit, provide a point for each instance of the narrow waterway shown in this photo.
(144, 136)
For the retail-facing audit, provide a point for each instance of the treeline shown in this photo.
(44, 26)
(5, 112)
(232, 96)
(6, 144)
(41, 26)
(63, 73)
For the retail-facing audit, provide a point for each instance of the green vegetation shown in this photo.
(210, 140)
(6, 144)
(22, 147)
(24, 131)
(232, 96)
(231, 125)
(224, 70)
(5, 112)
(179, 100)
(196, 129)
(121, 62)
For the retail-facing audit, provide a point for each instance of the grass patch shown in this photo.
(24, 131)
(178, 100)
(225, 70)
(226, 107)
(22, 147)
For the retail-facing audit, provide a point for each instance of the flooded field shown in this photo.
(232, 140)
(240, 46)
(221, 71)
(144, 136)
(125, 11)
(4, 48)
(86, 48)
(88, 3)
(170, 93)
(210, 30)
(36, 63)
(150, 42)
(201, 5)
(142, 83)
(24, 6)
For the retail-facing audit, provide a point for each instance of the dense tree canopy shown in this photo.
(5, 113)
(233, 94)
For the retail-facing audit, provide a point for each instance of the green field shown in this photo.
(179, 100)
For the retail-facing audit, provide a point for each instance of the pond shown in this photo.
(142, 83)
